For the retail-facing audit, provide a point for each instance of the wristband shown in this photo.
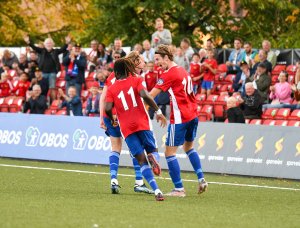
(159, 112)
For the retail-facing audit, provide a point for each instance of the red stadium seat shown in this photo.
(4, 107)
(61, 112)
(61, 84)
(277, 69)
(291, 69)
(274, 79)
(222, 68)
(61, 75)
(294, 123)
(269, 113)
(282, 114)
(269, 122)
(295, 115)
(226, 88)
(211, 99)
(281, 122)
(220, 106)
(55, 105)
(229, 78)
(255, 122)
(50, 112)
(200, 98)
(216, 88)
(16, 105)
(206, 113)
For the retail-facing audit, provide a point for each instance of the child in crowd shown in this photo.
(209, 70)
(22, 86)
(5, 85)
(150, 76)
(195, 73)
(92, 108)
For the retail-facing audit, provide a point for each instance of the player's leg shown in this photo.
(174, 139)
(192, 154)
(137, 150)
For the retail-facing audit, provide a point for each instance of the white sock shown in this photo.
(114, 181)
(157, 191)
(139, 182)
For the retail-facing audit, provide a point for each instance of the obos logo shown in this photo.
(35, 138)
(82, 141)
(10, 137)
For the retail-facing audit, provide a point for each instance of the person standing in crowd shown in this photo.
(181, 60)
(72, 101)
(271, 55)
(9, 58)
(210, 46)
(102, 55)
(195, 72)
(183, 121)
(92, 108)
(49, 61)
(234, 113)
(35, 101)
(261, 82)
(148, 53)
(92, 56)
(209, 69)
(235, 57)
(186, 48)
(118, 47)
(161, 35)
(42, 82)
(23, 63)
(75, 65)
(249, 54)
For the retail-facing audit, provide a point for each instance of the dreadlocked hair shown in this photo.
(164, 50)
(124, 67)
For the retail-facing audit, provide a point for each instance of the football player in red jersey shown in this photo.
(127, 95)
(183, 120)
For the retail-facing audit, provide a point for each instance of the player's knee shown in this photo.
(187, 146)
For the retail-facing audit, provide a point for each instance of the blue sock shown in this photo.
(195, 161)
(114, 164)
(174, 171)
(148, 175)
(137, 169)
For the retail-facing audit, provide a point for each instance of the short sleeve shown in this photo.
(141, 84)
(109, 96)
(163, 82)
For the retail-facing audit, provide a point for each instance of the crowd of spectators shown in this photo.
(34, 76)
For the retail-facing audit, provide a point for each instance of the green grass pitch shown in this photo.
(49, 198)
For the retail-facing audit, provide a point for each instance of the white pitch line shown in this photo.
(129, 175)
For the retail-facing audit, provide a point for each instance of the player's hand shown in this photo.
(102, 125)
(162, 119)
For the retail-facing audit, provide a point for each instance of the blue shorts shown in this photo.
(111, 130)
(51, 78)
(139, 141)
(178, 133)
(207, 85)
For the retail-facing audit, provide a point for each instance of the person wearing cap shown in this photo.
(75, 64)
(39, 80)
(92, 108)
(261, 81)
(240, 79)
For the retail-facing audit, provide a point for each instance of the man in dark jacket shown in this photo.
(72, 102)
(35, 102)
(49, 61)
(251, 104)
(234, 113)
(39, 80)
(75, 64)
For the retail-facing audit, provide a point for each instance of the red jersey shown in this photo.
(195, 71)
(208, 75)
(150, 79)
(182, 99)
(110, 81)
(22, 88)
(5, 88)
(158, 70)
(131, 112)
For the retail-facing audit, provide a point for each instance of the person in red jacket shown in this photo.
(22, 86)
(5, 85)
(195, 71)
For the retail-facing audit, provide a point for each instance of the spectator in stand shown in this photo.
(280, 92)
(49, 61)
(181, 60)
(23, 63)
(149, 52)
(101, 55)
(101, 78)
(240, 79)
(116, 55)
(210, 46)
(118, 47)
(202, 55)
(249, 54)
(42, 82)
(195, 71)
(92, 56)
(35, 101)
(262, 56)
(150, 76)
(185, 46)
(261, 82)
(297, 75)
(92, 108)
(69, 49)
(16, 70)
(235, 57)
(75, 64)
(209, 69)
(271, 55)
(22, 86)
(5, 85)
(72, 101)
(138, 48)
(161, 35)
(9, 58)
(32, 64)
(234, 112)
(251, 103)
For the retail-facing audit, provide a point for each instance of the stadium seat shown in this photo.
(200, 98)
(61, 112)
(281, 122)
(291, 69)
(229, 79)
(55, 105)
(206, 113)
(84, 94)
(211, 99)
(220, 106)
(269, 113)
(61, 75)
(86, 74)
(295, 115)
(294, 123)
(226, 88)
(50, 112)
(4, 107)
(277, 69)
(269, 122)
(222, 68)
(16, 105)
(274, 79)
(255, 122)
(216, 88)
(61, 84)
(282, 114)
